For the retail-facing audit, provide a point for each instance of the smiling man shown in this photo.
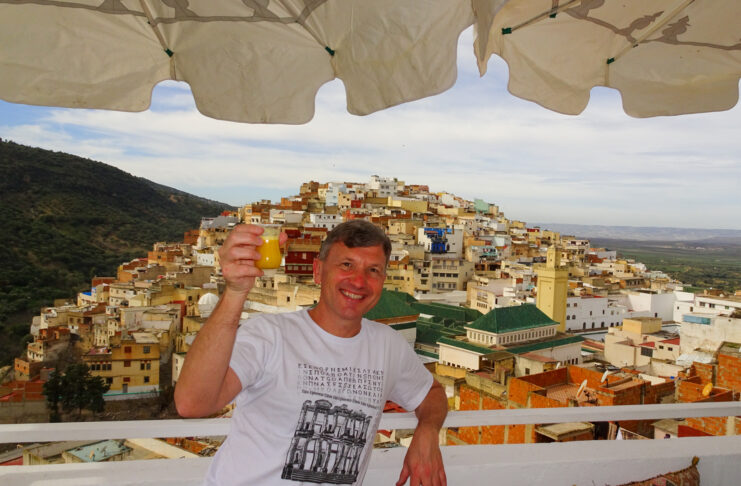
(310, 386)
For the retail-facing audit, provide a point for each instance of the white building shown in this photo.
(454, 237)
(592, 312)
(687, 303)
(383, 186)
(333, 191)
(284, 216)
(707, 332)
(653, 303)
(323, 220)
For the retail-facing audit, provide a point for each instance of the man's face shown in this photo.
(352, 281)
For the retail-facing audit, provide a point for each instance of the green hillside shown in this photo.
(66, 219)
(699, 264)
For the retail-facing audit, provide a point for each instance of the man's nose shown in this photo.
(358, 278)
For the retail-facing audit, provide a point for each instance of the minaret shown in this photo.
(553, 288)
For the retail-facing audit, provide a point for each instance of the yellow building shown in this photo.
(400, 276)
(131, 365)
(553, 288)
(410, 204)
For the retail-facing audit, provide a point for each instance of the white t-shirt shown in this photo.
(311, 402)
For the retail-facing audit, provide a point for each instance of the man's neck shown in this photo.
(333, 324)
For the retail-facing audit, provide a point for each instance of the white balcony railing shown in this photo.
(571, 463)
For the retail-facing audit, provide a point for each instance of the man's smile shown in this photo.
(351, 295)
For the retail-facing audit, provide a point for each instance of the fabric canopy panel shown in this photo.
(666, 57)
(256, 61)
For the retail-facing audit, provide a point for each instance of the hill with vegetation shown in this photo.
(66, 219)
(712, 263)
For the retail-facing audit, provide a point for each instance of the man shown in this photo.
(310, 386)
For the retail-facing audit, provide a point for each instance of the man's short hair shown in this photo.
(356, 233)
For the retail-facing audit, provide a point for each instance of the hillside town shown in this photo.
(505, 316)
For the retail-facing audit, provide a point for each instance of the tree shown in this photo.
(76, 389)
(53, 392)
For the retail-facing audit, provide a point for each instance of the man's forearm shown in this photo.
(200, 387)
(423, 463)
(434, 408)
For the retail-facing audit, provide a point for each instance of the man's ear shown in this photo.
(317, 267)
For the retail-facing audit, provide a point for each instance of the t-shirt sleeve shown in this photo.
(412, 381)
(253, 350)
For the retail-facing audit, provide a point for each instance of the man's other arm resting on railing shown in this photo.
(423, 463)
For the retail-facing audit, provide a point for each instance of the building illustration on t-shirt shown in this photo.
(327, 445)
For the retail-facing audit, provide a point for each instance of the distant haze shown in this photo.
(643, 233)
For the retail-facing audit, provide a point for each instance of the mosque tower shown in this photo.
(553, 288)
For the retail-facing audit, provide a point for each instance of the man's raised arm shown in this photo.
(423, 463)
(206, 383)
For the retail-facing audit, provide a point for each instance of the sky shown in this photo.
(476, 140)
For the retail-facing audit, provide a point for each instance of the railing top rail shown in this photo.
(48, 432)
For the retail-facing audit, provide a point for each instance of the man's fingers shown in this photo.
(443, 478)
(242, 254)
(403, 476)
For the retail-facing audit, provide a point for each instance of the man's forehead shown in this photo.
(341, 250)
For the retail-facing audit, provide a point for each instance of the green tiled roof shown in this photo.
(466, 346)
(447, 311)
(430, 335)
(426, 353)
(545, 345)
(509, 319)
(430, 330)
(392, 304)
(403, 325)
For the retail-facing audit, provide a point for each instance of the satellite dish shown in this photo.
(706, 391)
(604, 376)
(558, 365)
(581, 388)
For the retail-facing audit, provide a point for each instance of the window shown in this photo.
(146, 379)
(141, 365)
(126, 379)
(146, 349)
(669, 348)
(109, 380)
(127, 349)
(527, 371)
(127, 363)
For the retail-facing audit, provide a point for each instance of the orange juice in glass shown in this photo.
(270, 257)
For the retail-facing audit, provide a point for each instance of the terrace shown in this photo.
(568, 463)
